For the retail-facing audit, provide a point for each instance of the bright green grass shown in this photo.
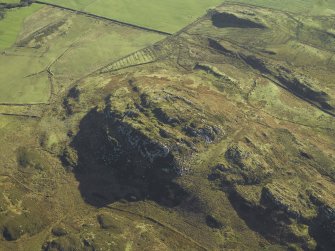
(16, 86)
(11, 25)
(165, 15)
(173, 15)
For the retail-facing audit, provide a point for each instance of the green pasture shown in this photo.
(165, 15)
(11, 25)
(173, 15)
(72, 50)
(18, 84)
(94, 45)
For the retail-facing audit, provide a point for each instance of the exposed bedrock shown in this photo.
(297, 84)
(133, 149)
(115, 162)
(302, 87)
(285, 211)
(227, 20)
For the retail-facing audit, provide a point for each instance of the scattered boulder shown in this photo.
(59, 231)
(69, 157)
(162, 116)
(65, 243)
(30, 158)
(108, 222)
(19, 225)
(256, 63)
(207, 133)
(235, 155)
(212, 222)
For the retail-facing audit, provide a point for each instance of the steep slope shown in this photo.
(218, 137)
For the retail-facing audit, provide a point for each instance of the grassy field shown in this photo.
(98, 47)
(169, 16)
(71, 45)
(11, 25)
(16, 86)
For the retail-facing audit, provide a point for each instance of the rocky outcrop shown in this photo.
(125, 139)
(285, 210)
(246, 166)
(273, 207)
(219, 47)
(70, 102)
(324, 223)
(273, 223)
(228, 20)
(303, 87)
(68, 243)
(139, 139)
(16, 226)
(149, 125)
(292, 200)
(296, 83)
(256, 63)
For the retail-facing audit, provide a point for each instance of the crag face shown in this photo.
(167, 125)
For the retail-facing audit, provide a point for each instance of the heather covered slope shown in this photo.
(219, 137)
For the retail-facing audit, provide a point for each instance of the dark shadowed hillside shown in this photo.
(117, 135)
